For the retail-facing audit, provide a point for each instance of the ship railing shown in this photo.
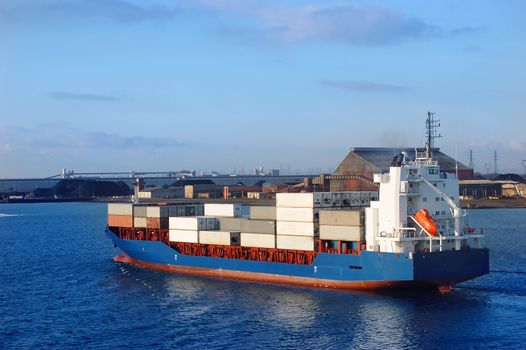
(401, 233)
(472, 232)
(423, 162)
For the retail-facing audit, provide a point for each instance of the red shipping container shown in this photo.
(120, 220)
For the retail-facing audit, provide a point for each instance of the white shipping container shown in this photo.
(299, 200)
(342, 233)
(262, 213)
(258, 226)
(290, 228)
(139, 222)
(258, 240)
(157, 212)
(219, 237)
(296, 214)
(187, 236)
(193, 223)
(120, 209)
(223, 210)
(341, 217)
(295, 242)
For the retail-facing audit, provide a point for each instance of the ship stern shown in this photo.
(448, 268)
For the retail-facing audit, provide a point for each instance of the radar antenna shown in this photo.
(432, 126)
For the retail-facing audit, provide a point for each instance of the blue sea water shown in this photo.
(59, 288)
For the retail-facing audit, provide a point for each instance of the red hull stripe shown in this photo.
(268, 278)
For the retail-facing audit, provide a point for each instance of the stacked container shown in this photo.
(229, 210)
(186, 210)
(258, 233)
(140, 216)
(342, 225)
(157, 217)
(296, 220)
(262, 213)
(120, 215)
(219, 237)
(186, 229)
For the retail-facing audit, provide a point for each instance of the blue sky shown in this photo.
(100, 85)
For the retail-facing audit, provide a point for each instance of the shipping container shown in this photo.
(120, 209)
(187, 236)
(139, 222)
(193, 223)
(219, 237)
(258, 240)
(140, 210)
(157, 222)
(342, 217)
(229, 224)
(295, 242)
(342, 233)
(258, 226)
(299, 200)
(120, 220)
(262, 213)
(157, 212)
(176, 210)
(223, 210)
(290, 228)
(296, 214)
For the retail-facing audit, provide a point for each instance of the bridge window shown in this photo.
(355, 267)
(437, 199)
(424, 199)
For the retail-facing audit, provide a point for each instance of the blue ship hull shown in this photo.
(368, 270)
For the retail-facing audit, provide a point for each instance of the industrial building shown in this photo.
(356, 171)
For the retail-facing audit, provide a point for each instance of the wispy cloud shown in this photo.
(119, 10)
(363, 86)
(61, 95)
(464, 30)
(48, 138)
(267, 21)
(473, 49)
(347, 24)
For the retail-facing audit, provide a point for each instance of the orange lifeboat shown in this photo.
(426, 221)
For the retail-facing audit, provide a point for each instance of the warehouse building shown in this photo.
(356, 171)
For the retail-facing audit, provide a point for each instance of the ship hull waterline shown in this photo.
(377, 271)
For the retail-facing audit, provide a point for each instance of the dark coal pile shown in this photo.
(79, 188)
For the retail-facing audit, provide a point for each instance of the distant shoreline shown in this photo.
(493, 203)
(466, 204)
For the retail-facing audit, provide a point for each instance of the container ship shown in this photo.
(411, 233)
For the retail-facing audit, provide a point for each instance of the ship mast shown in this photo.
(432, 125)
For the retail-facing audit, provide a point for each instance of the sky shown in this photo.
(120, 85)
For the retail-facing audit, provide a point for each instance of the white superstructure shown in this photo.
(412, 185)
